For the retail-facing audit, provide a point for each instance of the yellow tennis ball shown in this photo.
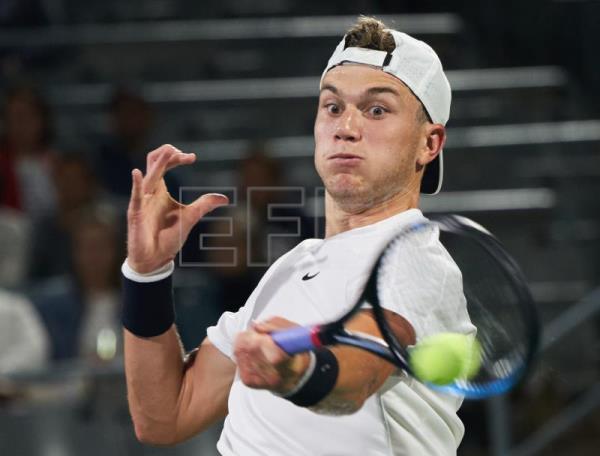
(435, 364)
(443, 358)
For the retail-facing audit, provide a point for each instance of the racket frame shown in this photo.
(305, 338)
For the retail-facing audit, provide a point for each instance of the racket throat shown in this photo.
(325, 334)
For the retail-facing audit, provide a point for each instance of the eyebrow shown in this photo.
(385, 89)
(330, 88)
(371, 91)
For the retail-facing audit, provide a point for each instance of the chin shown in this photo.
(344, 184)
(350, 194)
(355, 195)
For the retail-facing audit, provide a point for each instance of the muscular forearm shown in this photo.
(356, 373)
(154, 369)
(360, 375)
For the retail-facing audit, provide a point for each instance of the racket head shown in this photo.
(498, 302)
(488, 283)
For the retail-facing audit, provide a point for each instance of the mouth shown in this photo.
(345, 158)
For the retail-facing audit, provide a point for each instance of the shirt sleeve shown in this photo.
(222, 335)
(427, 290)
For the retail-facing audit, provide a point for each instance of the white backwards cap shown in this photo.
(417, 66)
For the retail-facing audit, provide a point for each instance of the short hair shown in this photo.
(371, 33)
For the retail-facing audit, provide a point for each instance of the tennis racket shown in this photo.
(498, 299)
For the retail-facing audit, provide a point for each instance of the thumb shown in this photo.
(205, 204)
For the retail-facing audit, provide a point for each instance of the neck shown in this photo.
(339, 218)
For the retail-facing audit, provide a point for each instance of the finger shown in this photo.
(254, 378)
(272, 324)
(265, 379)
(242, 345)
(263, 350)
(272, 353)
(135, 203)
(157, 169)
(256, 372)
(257, 358)
(203, 205)
(155, 154)
(180, 158)
(263, 327)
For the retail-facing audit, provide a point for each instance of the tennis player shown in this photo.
(379, 133)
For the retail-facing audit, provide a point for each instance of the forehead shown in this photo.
(355, 79)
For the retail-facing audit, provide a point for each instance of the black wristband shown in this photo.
(320, 383)
(148, 307)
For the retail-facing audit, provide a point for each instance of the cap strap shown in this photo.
(360, 55)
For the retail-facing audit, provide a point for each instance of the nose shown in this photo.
(348, 127)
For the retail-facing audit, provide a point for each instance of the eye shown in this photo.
(377, 111)
(332, 108)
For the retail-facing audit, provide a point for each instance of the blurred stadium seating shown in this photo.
(522, 158)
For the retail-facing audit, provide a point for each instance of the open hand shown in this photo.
(157, 225)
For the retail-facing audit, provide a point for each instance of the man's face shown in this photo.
(368, 136)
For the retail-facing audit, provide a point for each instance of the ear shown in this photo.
(434, 140)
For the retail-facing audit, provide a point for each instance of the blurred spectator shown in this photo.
(25, 154)
(81, 310)
(75, 187)
(276, 215)
(236, 244)
(23, 339)
(131, 124)
(227, 259)
(224, 282)
(257, 169)
(14, 239)
(239, 242)
(259, 176)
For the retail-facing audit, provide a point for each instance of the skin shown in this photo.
(169, 400)
(370, 153)
(370, 114)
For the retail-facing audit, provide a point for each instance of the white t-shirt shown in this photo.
(403, 417)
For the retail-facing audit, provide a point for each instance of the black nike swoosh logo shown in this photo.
(307, 276)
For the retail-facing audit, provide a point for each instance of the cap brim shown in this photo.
(433, 175)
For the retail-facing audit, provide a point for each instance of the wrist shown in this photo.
(141, 267)
(132, 272)
(148, 308)
(319, 381)
(296, 373)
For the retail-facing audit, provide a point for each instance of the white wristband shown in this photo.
(158, 274)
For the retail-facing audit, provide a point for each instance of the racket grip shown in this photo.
(297, 340)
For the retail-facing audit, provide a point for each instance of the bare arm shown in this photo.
(264, 365)
(170, 400)
(361, 373)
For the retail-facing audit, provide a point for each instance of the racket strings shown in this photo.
(400, 262)
(494, 303)
(482, 277)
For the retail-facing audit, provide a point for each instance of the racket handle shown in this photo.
(297, 340)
